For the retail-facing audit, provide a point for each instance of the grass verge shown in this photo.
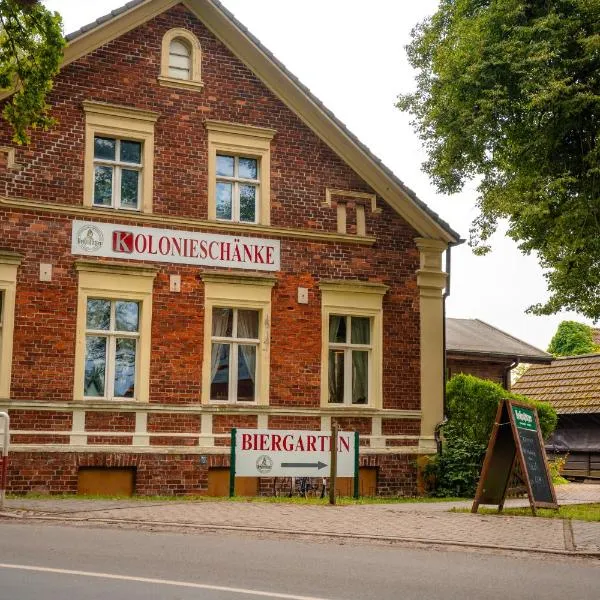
(580, 512)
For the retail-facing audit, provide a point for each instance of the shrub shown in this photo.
(557, 466)
(472, 404)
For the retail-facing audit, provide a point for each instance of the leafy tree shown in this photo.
(508, 93)
(572, 338)
(31, 44)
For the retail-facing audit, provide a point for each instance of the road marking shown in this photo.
(186, 584)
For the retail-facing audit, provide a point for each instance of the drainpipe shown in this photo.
(507, 370)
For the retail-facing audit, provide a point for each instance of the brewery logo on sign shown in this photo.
(90, 238)
(264, 464)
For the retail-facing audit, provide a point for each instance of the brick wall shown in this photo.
(360, 424)
(225, 423)
(172, 474)
(294, 422)
(494, 371)
(107, 421)
(46, 420)
(302, 167)
(173, 423)
(400, 427)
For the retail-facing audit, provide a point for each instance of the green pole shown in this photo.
(356, 469)
(232, 464)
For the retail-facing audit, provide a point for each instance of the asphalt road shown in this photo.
(58, 562)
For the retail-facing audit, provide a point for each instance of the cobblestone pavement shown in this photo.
(416, 521)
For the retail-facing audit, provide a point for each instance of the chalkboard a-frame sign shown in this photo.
(516, 438)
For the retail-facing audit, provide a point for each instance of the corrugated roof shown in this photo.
(114, 14)
(571, 384)
(473, 336)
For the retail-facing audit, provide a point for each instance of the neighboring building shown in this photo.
(572, 385)
(476, 348)
(197, 245)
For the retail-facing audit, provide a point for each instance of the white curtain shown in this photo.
(361, 334)
(220, 319)
(360, 377)
(247, 329)
(334, 324)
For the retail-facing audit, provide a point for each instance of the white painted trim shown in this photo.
(140, 436)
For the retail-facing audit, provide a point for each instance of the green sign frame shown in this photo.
(356, 478)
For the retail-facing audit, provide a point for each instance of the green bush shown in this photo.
(456, 470)
(472, 404)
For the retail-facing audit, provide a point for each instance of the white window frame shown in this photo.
(348, 347)
(224, 289)
(117, 167)
(194, 82)
(234, 343)
(121, 123)
(115, 281)
(236, 181)
(359, 299)
(245, 141)
(111, 336)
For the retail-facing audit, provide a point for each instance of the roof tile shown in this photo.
(570, 384)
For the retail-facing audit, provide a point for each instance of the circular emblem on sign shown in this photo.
(264, 464)
(90, 238)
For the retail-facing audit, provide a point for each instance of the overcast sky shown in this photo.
(350, 53)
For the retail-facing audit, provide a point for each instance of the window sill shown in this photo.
(229, 404)
(183, 84)
(348, 406)
(242, 223)
(134, 211)
(112, 400)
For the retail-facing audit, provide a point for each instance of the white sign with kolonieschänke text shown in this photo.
(112, 240)
(274, 453)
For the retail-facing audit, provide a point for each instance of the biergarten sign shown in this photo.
(120, 241)
(516, 439)
(288, 453)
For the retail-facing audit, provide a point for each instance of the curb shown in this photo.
(295, 532)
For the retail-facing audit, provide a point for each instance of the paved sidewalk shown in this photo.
(426, 522)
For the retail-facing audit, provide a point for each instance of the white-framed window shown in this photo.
(119, 157)
(180, 59)
(238, 188)
(117, 173)
(235, 346)
(349, 359)
(239, 179)
(112, 331)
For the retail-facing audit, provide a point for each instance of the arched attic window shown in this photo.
(181, 60)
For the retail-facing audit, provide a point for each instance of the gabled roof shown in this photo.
(472, 336)
(285, 86)
(571, 384)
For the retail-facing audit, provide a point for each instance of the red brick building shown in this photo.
(199, 245)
